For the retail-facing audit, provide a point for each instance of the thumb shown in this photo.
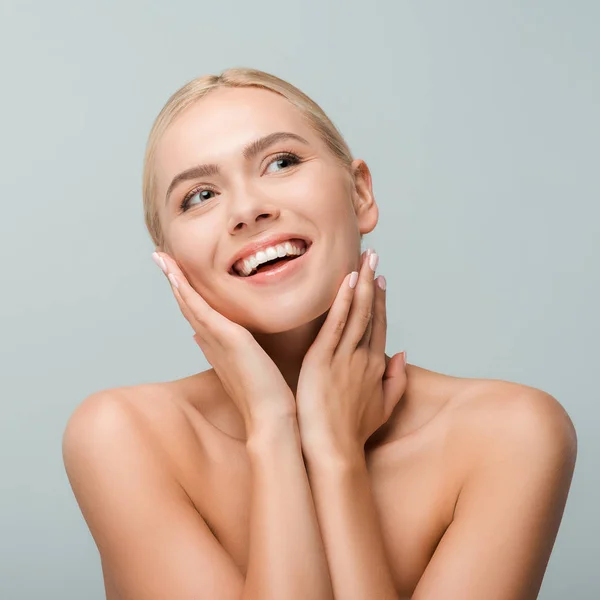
(394, 383)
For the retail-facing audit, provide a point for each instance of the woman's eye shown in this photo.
(197, 192)
(283, 160)
(287, 158)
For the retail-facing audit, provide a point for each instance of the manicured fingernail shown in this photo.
(160, 262)
(373, 260)
(404, 357)
(173, 280)
(381, 282)
(353, 279)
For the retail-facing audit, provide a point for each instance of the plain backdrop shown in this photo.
(480, 123)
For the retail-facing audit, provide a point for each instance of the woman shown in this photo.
(306, 464)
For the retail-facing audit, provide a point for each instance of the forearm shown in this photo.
(287, 558)
(350, 528)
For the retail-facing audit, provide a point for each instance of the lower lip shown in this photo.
(287, 269)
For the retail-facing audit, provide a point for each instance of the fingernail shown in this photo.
(381, 282)
(160, 262)
(373, 260)
(173, 280)
(353, 279)
(404, 357)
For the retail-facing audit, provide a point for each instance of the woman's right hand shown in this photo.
(247, 373)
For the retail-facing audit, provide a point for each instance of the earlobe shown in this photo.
(367, 217)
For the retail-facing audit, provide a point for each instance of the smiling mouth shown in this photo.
(271, 264)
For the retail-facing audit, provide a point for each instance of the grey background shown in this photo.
(479, 121)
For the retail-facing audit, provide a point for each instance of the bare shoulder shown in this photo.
(496, 403)
(487, 418)
(479, 420)
(126, 451)
(512, 451)
(157, 416)
(143, 406)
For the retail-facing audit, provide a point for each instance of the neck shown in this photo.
(288, 348)
(287, 351)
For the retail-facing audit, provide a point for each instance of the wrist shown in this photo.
(271, 429)
(334, 456)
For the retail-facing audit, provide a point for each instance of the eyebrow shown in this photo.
(249, 152)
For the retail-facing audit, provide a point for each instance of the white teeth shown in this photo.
(271, 253)
(248, 265)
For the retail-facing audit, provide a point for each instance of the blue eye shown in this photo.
(287, 156)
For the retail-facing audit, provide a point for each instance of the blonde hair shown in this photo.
(233, 77)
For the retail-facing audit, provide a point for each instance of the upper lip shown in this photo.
(265, 242)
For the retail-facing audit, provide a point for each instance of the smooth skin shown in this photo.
(511, 453)
(342, 475)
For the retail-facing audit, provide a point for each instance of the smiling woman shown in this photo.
(306, 463)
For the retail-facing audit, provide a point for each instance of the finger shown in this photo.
(365, 340)
(379, 320)
(364, 255)
(332, 329)
(175, 282)
(195, 309)
(361, 310)
(394, 383)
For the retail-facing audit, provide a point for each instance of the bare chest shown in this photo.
(413, 489)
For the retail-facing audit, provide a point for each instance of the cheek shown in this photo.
(195, 258)
(328, 199)
(335, 216)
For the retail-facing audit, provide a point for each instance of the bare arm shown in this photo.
(506, 519)
(152, 541)
(287, 558)
(510, 508)
(523, 447)
(351, 531)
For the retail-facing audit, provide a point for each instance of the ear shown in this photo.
(365, 207)
(164, 247)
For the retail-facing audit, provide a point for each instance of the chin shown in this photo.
(286, 312)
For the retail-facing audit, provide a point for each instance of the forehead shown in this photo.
(216, 128)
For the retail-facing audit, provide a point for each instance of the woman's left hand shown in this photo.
(347, 387)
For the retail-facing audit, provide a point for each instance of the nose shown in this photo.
(250, 211)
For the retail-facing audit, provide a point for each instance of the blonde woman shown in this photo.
(306, 463)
